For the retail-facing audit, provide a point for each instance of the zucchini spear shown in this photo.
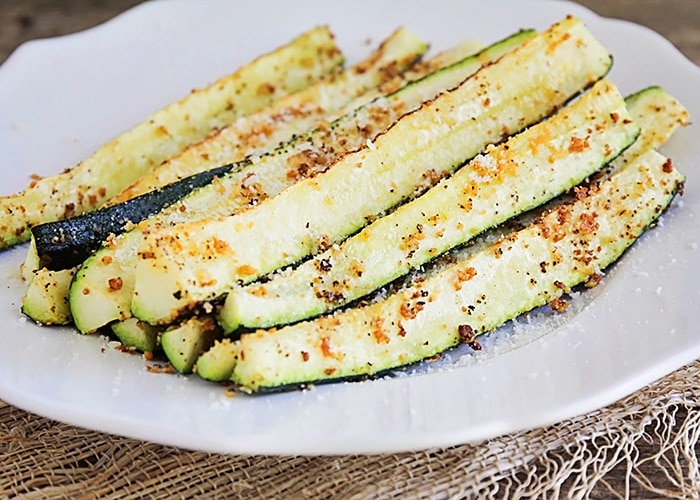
(181, 266)
(657, 112)
(124, 159)
(66, 243)
(523, 270)
(60, 245)
(94, 302)
(526, 171)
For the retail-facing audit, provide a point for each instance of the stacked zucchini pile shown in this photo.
(295, 239)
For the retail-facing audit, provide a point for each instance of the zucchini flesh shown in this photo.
(95, 303)
(518, 175)
(46, 301)
(124, 159)
(292, 115)
(523, 270)
(137, 335)
(181, 266)
(217, 363)
(184, 343)
(658, 114)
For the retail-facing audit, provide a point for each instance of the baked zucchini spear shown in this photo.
(521, 271)
(66, 243)
(181, 266)
(520, 174)
(364, 262)
(289, 116)
(94, 302)
(657, 112)
(123, 160)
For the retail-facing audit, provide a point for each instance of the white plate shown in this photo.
(62, 98)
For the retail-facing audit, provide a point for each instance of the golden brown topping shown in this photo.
(307, 163)
(410, 311)
(578, 145)
(380, 336)
(69, 210)
(326, 347)
(220, 246)
(324, 243)
(542, 139)
(115, 284)
(588, 224)
(593, 280)
(462, 276)
(357, 268)
(468, 336)
(402, 330)
(246, 270)
(323, 265)
(559, 304)
(580, 192)
(555, 43)
(668, 166)
(266, 89)
(433, 176)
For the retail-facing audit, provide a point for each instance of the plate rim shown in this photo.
(71, 414)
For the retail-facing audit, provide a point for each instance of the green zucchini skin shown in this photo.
(93, 304)
(516, 176)
(523, 270)
(67, 243)
(500, 99)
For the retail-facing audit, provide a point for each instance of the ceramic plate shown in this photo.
(62, 98)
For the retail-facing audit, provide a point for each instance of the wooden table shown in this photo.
(677, 20)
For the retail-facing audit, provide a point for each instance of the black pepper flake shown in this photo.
(324, 265)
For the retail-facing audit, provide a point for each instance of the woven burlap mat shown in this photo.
(645, 446)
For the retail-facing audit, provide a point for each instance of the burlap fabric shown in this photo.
(644, 446)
